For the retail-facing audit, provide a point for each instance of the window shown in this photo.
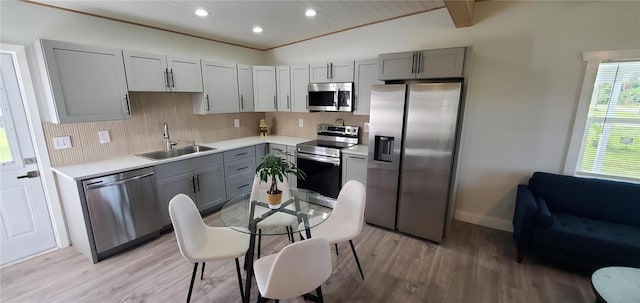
(610, 136)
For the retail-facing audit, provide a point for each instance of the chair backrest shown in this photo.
(259, 189)
(299, 268)
(349, 207)
(188, 225)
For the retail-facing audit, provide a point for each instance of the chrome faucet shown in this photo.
(165, 134)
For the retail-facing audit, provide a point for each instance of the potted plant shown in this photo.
(276, 167)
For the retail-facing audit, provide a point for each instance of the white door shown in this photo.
(25, 225)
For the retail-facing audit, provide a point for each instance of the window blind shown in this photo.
(611, 142)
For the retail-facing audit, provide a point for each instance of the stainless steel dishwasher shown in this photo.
(122, 207)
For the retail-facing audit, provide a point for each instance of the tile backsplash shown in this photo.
(143, 132)
(286, 124)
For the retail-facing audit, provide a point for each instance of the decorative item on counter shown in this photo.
(274, 167)
(263, 128)
(339, 121)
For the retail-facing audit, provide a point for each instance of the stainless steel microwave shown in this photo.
(331, 97)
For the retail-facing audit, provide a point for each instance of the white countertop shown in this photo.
(116, 165)
(361, 150)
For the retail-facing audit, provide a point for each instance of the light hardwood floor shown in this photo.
(474, 264)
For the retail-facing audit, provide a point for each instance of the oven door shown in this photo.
(324, 174)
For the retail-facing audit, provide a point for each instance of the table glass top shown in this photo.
(302, 203)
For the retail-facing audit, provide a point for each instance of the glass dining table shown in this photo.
(303, 210)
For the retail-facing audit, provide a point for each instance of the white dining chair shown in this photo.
(346, 219)
(199, 243)
(277, 220)
(297, 269)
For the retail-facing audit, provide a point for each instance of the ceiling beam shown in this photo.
(461, 12)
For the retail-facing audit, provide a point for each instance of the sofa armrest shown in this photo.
(524, 217)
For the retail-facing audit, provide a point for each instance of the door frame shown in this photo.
(38, 139)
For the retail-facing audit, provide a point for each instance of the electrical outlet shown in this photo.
(62, 142)
(366, 127)
(104, 136)
(300, 122)
(236, 122)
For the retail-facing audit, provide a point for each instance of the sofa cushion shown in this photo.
(604, 200)
(543, 217)
(600, 239)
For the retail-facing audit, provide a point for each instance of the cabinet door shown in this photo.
(210, 187)
(354, 168)
(168, 188)
(441, 63)
(264, 88)
(341, 71)
(299, 88)
(87, 83)
(220, 88)
(245, 88)
(261, 151)
(319, 73)
(146, 72)
(366, 75)
(396, 66)
(283, 86)
(185, 75)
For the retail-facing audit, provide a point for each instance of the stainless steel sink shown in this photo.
(175, 152)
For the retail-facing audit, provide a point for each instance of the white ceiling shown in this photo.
(284, 22)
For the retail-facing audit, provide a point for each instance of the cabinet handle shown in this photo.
(193, 184)
(288, 102)
(413, 63)
(126, 102)
(198, 182)
(359, 158)
(275, 102)
(327, 70)
(307, 100)
(242, 168)
(166, 77)
(208, 107)
(173, 83)
(419, 65)
(239, 187)
(240, 154)
(241, 102)
(331, 64)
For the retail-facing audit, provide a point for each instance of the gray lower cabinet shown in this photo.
(239, 167)
(261, 151)
(354, 167)
(200, 178)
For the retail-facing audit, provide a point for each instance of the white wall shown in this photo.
(524, 76)
(22, 23)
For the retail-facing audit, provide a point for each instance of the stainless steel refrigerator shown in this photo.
(412, 145)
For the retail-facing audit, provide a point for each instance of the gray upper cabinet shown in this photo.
(366, 75)
(80, 83)
(299, 88)
(426, 64)
(283, 88)
(220, 89)
(159, 73)
(245, 87)
(331, 72)
(264, 88)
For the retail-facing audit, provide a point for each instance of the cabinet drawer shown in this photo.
(240, 168)
(239, 186)
(240, 153)
(187, 165)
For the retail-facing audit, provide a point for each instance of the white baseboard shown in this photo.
(490, 222)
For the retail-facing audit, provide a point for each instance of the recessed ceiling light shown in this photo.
(310, 13)
(257, 29)
(201, 13)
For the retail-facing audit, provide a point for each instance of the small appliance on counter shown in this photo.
(321, 159)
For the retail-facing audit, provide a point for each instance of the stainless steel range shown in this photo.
(321, 159)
